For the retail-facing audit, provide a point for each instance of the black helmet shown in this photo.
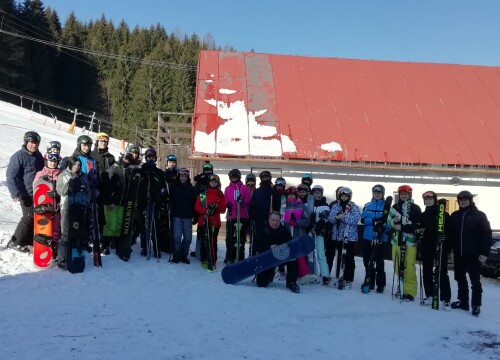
(54, 144)
(307, 179)
(265, 173)
(464, 194)
(302, 187)
(133, 148)
(250, 178)
(31, 136)
(150, 152)
(317, 188)
(234, 173)
(84, 139)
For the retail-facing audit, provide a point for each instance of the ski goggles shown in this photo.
(184, 171)
(103, 138)
(53, 156)
(377, 189)
(250, 183)
(427, 195)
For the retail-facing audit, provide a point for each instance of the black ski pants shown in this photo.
(213, 233)
(264, 278)
(378, 259)
(329, 251)
(472, 266)
(231, 239)
(428, 275)
(23, 235)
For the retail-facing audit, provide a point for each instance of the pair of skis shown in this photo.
(377, 241)
(439, 253)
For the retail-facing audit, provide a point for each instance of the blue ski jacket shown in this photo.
(21, 171)
(372, 210)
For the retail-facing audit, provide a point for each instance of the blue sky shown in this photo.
(443, 31)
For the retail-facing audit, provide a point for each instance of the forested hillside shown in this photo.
(124, 75)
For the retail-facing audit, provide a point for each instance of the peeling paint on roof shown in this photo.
(353, 110)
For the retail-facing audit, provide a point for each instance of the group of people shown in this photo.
(166, 204)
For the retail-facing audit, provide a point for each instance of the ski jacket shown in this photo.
(213, 195)
(103, 160)
(21, 171)
(308, 201)
(302, 223)
(372, 210)
(74, 189)
(182, 200)
(347, 227)
(171, 175)
(231, 194)
(202, 180)
(429, 221)
(152, 186)
(261, 203)
(321, 211)
(271, 236)
(471, 232)
(115, 184)
(410, 216)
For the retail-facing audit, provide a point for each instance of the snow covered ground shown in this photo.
(158, 310)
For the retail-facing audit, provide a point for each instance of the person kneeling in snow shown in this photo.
(276, 234)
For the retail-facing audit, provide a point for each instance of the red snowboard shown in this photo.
(44, 213)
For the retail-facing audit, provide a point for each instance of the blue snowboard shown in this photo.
(234, 273)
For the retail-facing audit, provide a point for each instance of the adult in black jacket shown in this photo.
(428, 246)
(276, 234)
(471, 234)
(182, 200)
(261, 205)
(152, 188)
(21, 171)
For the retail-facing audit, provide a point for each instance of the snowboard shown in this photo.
(75, 250)
(234, 273)
(370, 271)
(43, 221)
(124, 244)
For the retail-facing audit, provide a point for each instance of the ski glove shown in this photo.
(482, 258)
(320, 226)
(211, 209)
(229, 205)
(239, 199)
(379, 227)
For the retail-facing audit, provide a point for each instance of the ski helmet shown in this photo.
(250, 178)
(234, 174)
(32, 136)
(464, 194)
(171, 158)
(406, 188)
(429, 194)
(307, 179)
(317, 188)
(303, 187)
(151, 152)
(184, 171)
(264, 174)
(208, 166)
(280, 181)
(102, 136)
(379, 188)
(216, 178)
(345, 191)
(133, 149)
(53, 144)
(84, 139)
(292, 190)
(337, 192)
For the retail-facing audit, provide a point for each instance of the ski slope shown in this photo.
(158, 310)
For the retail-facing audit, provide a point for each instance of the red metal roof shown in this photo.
(294, 107)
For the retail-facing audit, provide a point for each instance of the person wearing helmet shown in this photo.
(151, 198)
(250, 181)
(171, 172)
(209, 205)
(306, 198)
(54, 147)
(51, 172)
(236, 195)
(182, 200)
(83, 152)
(428, 245)
(202, 180)
(133, 154)
(471, 234)
(404, 218)
(371, 218)
(21, 170)
(345, 216)
(321, 210)
(332, 246)
(279, 195)
(307, 180)
(261, 205)
(103, 160)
